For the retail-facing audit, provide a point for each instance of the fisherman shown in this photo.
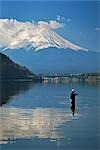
(72, 101)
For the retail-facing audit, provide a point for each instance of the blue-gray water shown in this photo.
(37, 116)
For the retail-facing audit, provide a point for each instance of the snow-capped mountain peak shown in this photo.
(52, 39)
(16, 35)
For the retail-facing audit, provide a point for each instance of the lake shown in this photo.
(37, 116)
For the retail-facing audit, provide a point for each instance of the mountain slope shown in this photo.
(12, 71)
(52, 39)
(54, 60)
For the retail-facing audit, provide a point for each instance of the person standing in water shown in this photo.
(72, 101)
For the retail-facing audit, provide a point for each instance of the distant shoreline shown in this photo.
(86, 77)
(92, 77)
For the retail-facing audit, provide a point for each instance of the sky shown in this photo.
(80, 20)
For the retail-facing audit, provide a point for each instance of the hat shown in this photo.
(73, 90)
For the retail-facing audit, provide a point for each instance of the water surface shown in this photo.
(38, 116)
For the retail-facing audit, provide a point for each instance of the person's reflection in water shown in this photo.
(72, 101)
(73, 109)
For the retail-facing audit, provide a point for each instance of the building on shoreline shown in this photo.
(93, 77)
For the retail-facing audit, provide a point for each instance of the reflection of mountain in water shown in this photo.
(25, 123)
(10, 88)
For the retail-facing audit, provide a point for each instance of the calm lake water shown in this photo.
(37, 116)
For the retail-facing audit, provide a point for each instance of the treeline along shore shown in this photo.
(92, 77)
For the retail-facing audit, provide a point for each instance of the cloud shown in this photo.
(52, 24)
(68, 19)
(60, 17)
(32, 35)
(97, 28)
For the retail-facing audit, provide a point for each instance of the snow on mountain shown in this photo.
(54, 40)
(36, 36)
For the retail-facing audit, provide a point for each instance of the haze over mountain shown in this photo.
(53, 60)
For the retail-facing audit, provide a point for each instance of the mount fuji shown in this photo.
(52, 39)
(28, 36)
(35, 36)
